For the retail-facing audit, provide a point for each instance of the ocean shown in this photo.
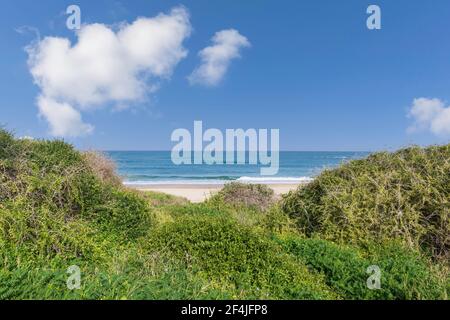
(156, 167)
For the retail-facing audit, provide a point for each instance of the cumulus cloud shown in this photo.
(63, 118)
(216, 59)
(105, 66)
(430, 115)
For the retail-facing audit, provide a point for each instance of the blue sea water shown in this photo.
(156, 167)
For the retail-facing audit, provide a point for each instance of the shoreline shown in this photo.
(200, 192)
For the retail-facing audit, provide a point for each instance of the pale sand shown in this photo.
(200, 192)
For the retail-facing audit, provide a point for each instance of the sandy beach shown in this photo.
(200, 192)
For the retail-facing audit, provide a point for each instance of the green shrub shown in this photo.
(53, 156)
(275, 221)
(231, 253)
(8, 145)
(191, 209)
(47, 188)
(46, 234)
(127, 273)
(404, 273)
(159, 199)
(403, 196)
(256, 196)
(125, 212)
(50, 282)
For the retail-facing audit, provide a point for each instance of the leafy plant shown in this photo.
(403, 195)
(404, 273)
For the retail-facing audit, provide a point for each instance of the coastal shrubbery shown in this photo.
(234, 255)
(405, 274)
(50, 180)
(60, 207)
(256, 196)
(403, 196)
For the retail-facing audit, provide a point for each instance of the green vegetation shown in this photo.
(60, 207)
(255, 196)
(405, 274)
(403, 196)
(262, 269)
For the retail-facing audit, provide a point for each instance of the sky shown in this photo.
(139, 69)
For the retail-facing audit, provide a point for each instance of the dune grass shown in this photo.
(60, 207)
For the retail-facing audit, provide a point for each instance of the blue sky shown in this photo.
(313, 70)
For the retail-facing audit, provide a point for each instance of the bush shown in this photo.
(404, 273)
(277, 222)
(49, 185)
(52, 156)
(45, 234)
(8, 145)
(231, 253)
(191, 209)
(50, 282)
(124, 212)
(159, 199)
(256, 196)
(403, 195)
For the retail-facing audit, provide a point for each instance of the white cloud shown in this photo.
(63, 118)
(105, 67)
(216, 59)
(431, 115)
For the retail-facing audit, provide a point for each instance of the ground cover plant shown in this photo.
(60, 207)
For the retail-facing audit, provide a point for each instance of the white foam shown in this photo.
(258, 180)
(280, 180)
(174, 182)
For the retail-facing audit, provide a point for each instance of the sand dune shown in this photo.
(200, 192)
